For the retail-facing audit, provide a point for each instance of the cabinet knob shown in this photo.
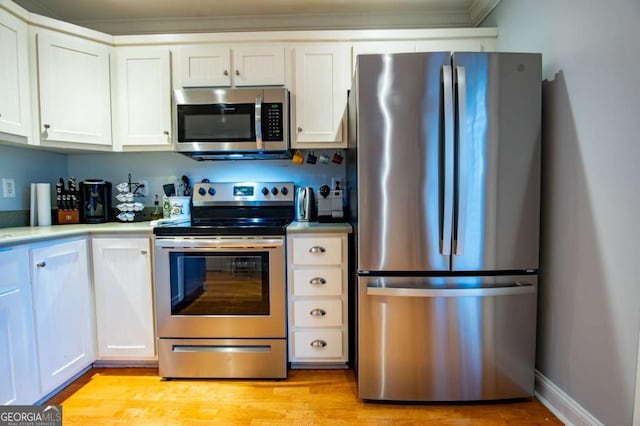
(318, 344)
(237, 72)
(317, 312)
(143, 252)
(166, 132)
(46, 126)
(41, 264)
(317, 281)
(225, 72)
(317, 249)
(299, 129)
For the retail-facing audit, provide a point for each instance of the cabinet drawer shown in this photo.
(317, 282)
(317, 313)
(317, 251)
(317, 344)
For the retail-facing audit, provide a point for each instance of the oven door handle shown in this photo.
(212, 244)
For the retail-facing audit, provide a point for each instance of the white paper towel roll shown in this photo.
(40, 214)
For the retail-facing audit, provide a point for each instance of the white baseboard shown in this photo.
(562, 405)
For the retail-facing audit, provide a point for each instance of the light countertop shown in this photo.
(319, 228)
(28, 234)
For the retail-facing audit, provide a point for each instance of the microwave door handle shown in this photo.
(259, 144)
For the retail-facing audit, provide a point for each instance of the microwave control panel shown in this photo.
(272, 114)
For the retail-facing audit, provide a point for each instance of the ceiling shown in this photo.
(120, 17)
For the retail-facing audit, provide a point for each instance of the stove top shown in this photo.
(236, 208)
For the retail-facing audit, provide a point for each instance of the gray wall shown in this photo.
(27, 166)
(157, 167)
(590, 285)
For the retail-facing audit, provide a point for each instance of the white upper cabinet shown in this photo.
(73, 78)
(258, 66)
(455, 45)
(15, 111)
(321, 82)
(215, 66)
(203, 66)
(142, 98)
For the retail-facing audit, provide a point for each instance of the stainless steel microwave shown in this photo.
(218, 123)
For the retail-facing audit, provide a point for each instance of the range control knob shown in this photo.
(212, 191)
(274, 190)
(202, 191)
(284, 190)
(265, 191)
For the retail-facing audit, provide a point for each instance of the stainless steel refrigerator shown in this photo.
(444, 180)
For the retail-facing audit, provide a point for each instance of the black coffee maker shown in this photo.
(95, 201)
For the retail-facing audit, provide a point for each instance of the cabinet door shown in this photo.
(124, 304)
(18, 366)
(462, 45)
(258, 66)
(320, 95)
(204, 66)
(75, 103)
(14, 76)
(143, 97)
(61, 300)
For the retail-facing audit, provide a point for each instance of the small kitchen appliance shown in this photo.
(305, 204)
(95, 201)
(330, 204)
(232, 124)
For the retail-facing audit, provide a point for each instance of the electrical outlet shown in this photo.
(8, 188)
(144, 188)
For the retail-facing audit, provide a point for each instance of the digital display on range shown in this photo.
(243, 191)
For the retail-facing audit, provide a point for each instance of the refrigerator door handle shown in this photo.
(447, 208)
(514, 290)
(463, 142)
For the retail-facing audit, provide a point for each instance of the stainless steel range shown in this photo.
(220, 283)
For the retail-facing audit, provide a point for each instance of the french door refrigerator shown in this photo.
(444, 175)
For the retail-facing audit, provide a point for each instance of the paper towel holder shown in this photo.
(40, 213)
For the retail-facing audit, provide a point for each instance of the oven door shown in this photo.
(220, 287)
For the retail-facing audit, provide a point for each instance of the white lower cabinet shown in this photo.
(317, 291)
(18, 365)
(123, 295)
(62, 306)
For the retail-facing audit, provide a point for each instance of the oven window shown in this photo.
(230, 283)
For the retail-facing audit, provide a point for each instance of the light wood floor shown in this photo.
(322, 397)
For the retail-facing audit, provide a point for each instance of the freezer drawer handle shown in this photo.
(317, 312)
(317, 281)
(516, 289)
(318, 343)
(317, 249)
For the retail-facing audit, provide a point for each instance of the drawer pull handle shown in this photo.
(318, 344)
(317, 312)
(317, 281)
(317, 249)
(41, 264)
